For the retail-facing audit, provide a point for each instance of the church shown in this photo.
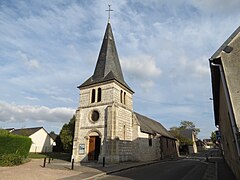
(106, 125)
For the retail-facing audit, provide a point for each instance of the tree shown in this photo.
(67, 135)
(189, 125)
(176, 132)
(213, 137)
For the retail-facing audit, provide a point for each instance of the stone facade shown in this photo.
(225, 72)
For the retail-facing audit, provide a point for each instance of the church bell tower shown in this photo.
(104, 115)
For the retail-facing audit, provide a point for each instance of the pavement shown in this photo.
(59, 169)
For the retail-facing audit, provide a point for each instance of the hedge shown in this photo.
(13, 148)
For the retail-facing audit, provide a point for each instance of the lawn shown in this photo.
(54, 155)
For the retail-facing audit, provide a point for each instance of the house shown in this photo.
(208, 143)
(106, 126)
(41, 140)
(225, 76)
(190, 135)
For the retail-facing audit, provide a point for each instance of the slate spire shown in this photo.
(108, 66)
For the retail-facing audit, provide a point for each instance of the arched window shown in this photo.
(93, 96)
(99, 95)
(124, 98)
(121, 96)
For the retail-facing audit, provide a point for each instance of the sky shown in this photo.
(48, 48)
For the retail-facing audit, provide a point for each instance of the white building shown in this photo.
(41, 140)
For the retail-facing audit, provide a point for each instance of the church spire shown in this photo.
(108, 66)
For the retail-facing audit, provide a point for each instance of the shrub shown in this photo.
(10, 159)
(13, 148)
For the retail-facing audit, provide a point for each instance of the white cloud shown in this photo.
(141, 67)
(31, 63)
(10, 112)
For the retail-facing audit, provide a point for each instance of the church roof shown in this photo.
(151, 126)
(108, 66)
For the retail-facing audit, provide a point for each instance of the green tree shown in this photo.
(176, 132)
(189, 125)
(67, 134)
(213, 137)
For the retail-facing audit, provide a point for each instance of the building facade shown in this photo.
(225, 74)
(106, 126)
(41, 140)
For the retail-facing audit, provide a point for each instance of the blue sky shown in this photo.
(48, 48)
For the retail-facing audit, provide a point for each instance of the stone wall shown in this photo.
(230, 152)
(169, 147)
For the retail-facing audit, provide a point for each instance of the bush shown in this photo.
(10, 159)
(13, 148)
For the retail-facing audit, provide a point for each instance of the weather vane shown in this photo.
(109, 10)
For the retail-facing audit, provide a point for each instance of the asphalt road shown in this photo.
(187, 169)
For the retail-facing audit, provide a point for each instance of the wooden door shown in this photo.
(91, 151)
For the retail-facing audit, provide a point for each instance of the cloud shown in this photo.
(197, 68)
(31, 63)
(141, 67)
(10, 113)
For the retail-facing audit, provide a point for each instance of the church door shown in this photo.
(94, 147)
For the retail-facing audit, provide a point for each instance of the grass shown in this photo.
(54, 155)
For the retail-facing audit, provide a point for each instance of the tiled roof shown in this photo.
(26, 131)
(151, 126)
(187, 133)
(108, 66)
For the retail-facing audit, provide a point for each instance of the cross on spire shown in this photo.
(109, 10)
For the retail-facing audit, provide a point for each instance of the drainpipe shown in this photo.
(229, 105)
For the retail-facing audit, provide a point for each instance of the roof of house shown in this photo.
(108, 66)
(151, 126)
(187, 133)
(26, 131)
(9, 129)
(53, 135)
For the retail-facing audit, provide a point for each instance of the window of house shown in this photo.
(121, 96)
(99, 95)
(93, 96)
(150, 140)
(167, 142)
(124, 98)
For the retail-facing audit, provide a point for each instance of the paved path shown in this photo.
(33, 171)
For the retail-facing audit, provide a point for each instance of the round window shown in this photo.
(95, 115)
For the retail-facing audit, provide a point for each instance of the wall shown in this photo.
(41, 142)
(230, 152)
(231, 67)
(169, 147)
(114, 123)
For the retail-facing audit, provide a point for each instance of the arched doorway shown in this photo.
(94, 146)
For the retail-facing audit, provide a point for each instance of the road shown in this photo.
(186, 169)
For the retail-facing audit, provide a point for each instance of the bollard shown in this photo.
(72, 164)
(206, 157)
(49, 160)
(103, 163)
(44, 162)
